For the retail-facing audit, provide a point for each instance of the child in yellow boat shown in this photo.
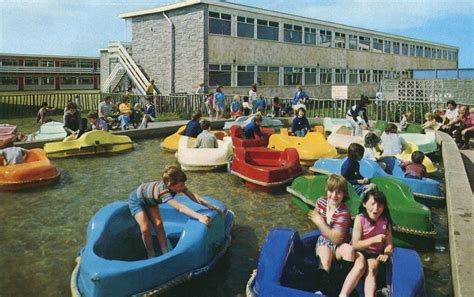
(372, 236)
(143, 204)
(333, 219)
(96, 123)
(206, 139)
(300, 125)
(193, 127)
(13, 155)
(415, 169)
(351, 170)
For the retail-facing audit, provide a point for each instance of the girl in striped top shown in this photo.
(333, 219)
(143, 204)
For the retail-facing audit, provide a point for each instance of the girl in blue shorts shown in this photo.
(143, 204)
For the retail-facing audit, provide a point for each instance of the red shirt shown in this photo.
(414, 168)
(468, 120)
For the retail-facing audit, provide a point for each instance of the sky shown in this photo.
(82, 27)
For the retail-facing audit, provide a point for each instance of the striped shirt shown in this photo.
(154, 193)
(341, 218)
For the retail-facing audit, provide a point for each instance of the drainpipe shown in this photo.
(171, 53)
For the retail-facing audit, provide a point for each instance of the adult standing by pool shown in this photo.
(150, 89)
(219, 99)
(253, 98)
(299, 99)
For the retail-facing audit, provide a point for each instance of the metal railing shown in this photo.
(27, 69)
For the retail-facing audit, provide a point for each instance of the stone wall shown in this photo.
(151, 47)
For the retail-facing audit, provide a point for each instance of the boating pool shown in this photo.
(42, 231)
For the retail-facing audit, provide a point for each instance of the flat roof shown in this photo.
(273, 13)
(46, 56)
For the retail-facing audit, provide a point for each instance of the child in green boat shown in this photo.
(333, 219)
(143, 204)
(372, 236)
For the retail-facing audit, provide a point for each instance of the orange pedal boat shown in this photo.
(36, 171)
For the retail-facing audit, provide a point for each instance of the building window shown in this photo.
(340, 76)
(445, 54)
(396, 75)
(31, 81)
(396, 48)
(86, 80)
(220, 75)
(86, 65)
(387, 74)
(68, 80)
(245, 75)
(404, 49)
(438, 53)
(245, 27)
(310, 35)
(8, 81)
(353, 41)
(364, 43)
(378, 75)
(325, 76)
(293, 33)
(47, 81)
(451, 56)
(292, 76)
(310, 76)
(71, 64)
(325, 38)
(219, 23)
(340, 40)
(378, 45)
(8, 62)
(46, 63)
(412, 50)
(419, 51)
(353, 73)
(31, 63)
(387, 46)
(427, 52)
(364, 76)
(267, 30)
(268, 76)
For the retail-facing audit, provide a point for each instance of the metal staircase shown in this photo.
(125, 64)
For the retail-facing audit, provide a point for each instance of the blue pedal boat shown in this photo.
(114, 260)
(287, 267)
(427, 189)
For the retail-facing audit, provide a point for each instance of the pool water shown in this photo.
(42, 231)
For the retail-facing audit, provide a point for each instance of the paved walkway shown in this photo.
(468, 159)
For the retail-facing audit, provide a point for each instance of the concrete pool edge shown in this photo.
(459, 212)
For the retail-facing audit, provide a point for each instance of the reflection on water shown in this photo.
(43, 230)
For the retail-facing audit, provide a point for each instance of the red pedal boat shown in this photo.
(238, 140)
(264, 169)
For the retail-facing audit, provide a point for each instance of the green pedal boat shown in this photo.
(412, 225)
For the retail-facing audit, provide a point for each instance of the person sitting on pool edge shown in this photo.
(253, 128)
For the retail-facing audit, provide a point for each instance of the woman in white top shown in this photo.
(253, 97)
(450, 117)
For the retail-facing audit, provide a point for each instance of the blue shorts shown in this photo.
(324, 241)
(136, 205)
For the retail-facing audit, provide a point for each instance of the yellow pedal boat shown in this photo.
(171, 143)
(90, 143)
(406, 157)
(311, 147)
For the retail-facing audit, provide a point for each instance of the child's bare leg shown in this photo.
(370, 280)
(346, 252)
(145, 229)
(160, 230)
(325, 257)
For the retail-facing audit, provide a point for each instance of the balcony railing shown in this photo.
(27, 69)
